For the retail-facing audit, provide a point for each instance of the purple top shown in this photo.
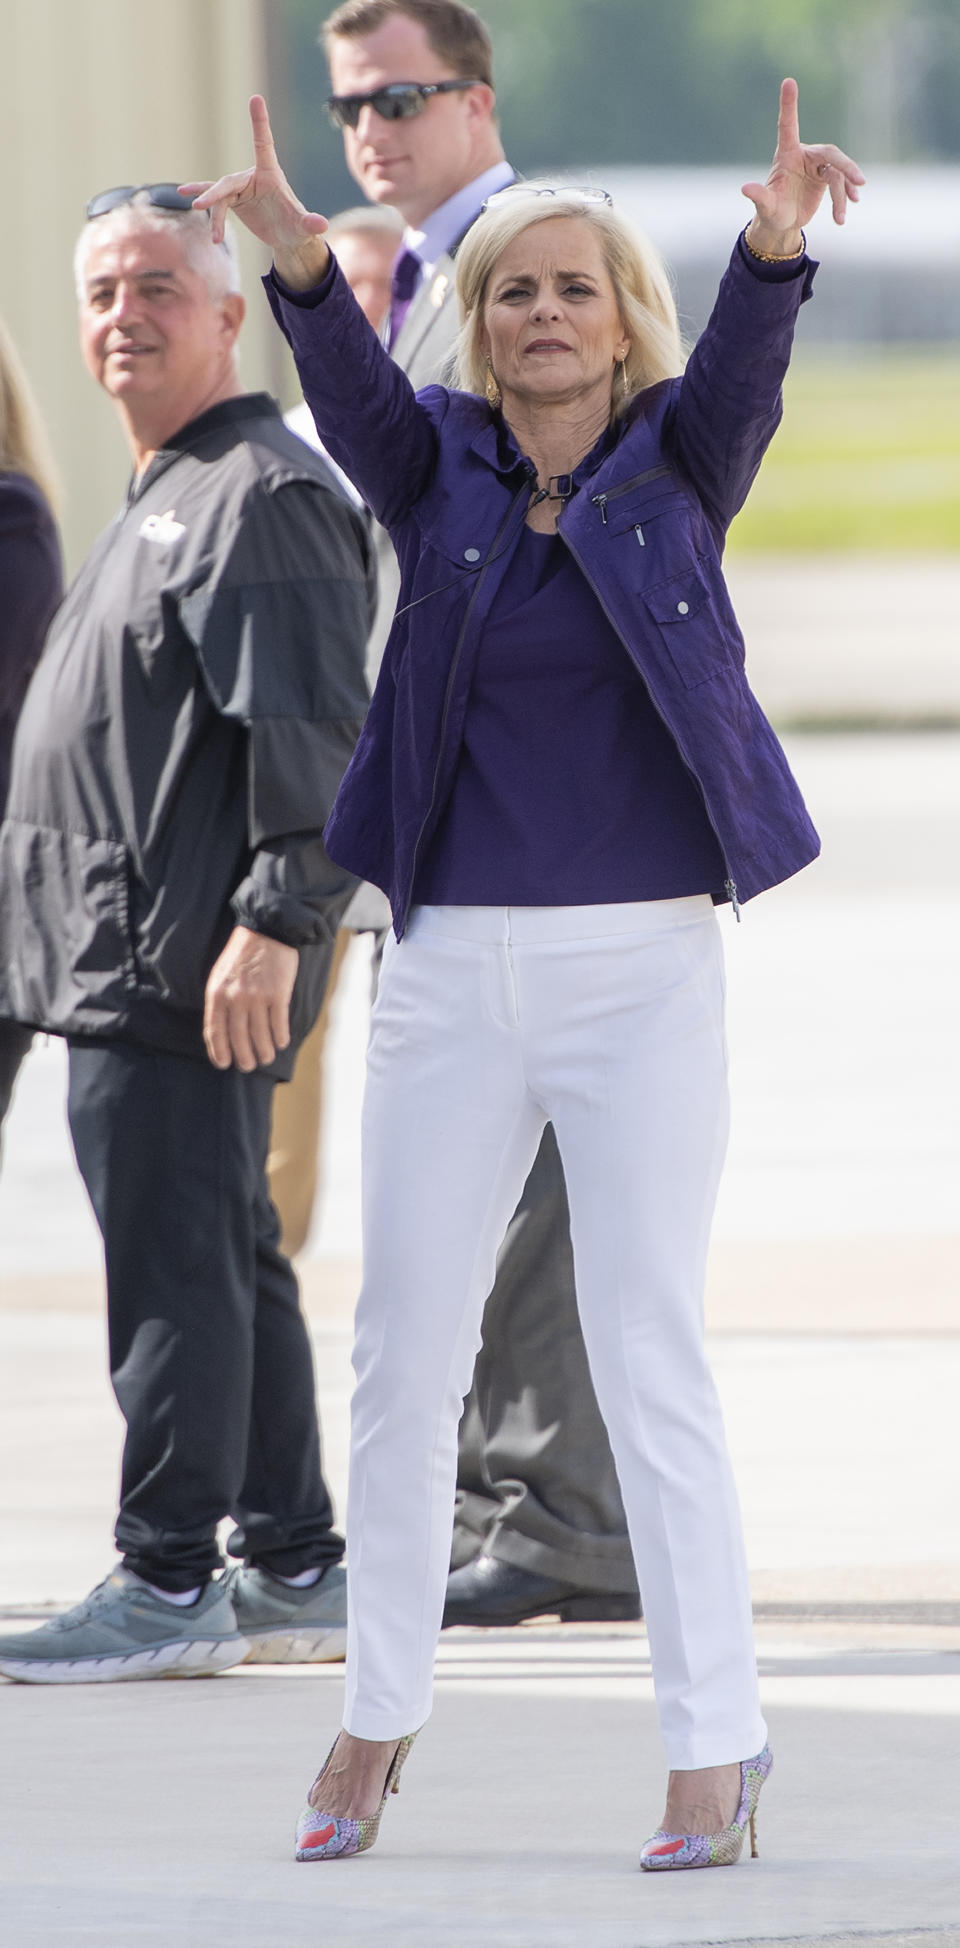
(568, 790)
(445, 476)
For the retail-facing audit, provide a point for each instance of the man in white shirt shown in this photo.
(540, 1527)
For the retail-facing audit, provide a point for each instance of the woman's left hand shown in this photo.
(800, 175)
(265, 202)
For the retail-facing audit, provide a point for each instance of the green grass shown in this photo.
(867, 457)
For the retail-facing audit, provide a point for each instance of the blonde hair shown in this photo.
(24, 447)
(639, 277)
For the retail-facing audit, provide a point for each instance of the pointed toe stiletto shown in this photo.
(322, 1836)
(668, 1851)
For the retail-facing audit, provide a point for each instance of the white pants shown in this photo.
(608, 1022)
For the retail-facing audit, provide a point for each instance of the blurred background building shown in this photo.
(672, 107)
(96, 93)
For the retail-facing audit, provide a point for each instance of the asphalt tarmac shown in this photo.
(163, 1813)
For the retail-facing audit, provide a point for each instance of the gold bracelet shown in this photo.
(776, 257)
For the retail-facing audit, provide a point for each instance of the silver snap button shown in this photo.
(683, 608)
(471, 554)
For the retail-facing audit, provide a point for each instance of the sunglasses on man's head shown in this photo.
(162, 196)
(395, 103)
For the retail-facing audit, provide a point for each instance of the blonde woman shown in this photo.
(563, 772)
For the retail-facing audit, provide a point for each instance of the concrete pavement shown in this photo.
(861, 639)
(164, 1813)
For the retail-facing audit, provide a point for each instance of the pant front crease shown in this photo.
(433, 1220)
(641, 1119)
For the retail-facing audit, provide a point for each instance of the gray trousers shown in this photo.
(536, 1484)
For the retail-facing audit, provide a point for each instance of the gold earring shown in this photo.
(626, 376)
(491, 388)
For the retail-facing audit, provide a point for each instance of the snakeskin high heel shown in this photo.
(321, 1836)
(672, 1850)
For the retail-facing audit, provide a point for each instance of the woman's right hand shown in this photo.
(263, 200)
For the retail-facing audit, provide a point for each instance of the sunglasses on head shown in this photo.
(396, 103)
(512, 190)
(163, 196)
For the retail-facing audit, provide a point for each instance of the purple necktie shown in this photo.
(403, 283)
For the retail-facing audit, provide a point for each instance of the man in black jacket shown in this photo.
(168, 906)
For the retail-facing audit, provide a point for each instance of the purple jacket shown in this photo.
(646, 525)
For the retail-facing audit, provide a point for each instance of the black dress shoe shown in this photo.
(489, 1592)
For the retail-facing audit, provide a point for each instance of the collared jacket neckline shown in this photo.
(647, 527)
(228, 412)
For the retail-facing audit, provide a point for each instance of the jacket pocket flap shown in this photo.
(678, 599)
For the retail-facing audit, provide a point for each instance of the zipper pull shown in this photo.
(730, 888)
(638, 531)
(600, 500)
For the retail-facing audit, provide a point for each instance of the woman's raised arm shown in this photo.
(262, 199)
(800, 174)
(364, 406)
(730, 398)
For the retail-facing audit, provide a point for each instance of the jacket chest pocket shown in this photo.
(626, 508)
(651, 530)
(689, 627)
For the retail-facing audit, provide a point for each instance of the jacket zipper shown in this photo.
(729, 884)
(614, 493)
(448, 696)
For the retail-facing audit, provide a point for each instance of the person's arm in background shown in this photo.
(283, 656)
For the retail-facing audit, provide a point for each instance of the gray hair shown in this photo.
(639, 278)
(216, 263)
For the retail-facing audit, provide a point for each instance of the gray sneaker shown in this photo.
(122, 1631)
(290, 1626)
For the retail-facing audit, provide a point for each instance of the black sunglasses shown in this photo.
(163, 196)
(394, 104)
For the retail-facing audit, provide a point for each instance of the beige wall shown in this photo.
(98, 92)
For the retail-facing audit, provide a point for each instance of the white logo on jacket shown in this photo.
(161, 527)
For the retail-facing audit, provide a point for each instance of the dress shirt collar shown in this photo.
(445, 226)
